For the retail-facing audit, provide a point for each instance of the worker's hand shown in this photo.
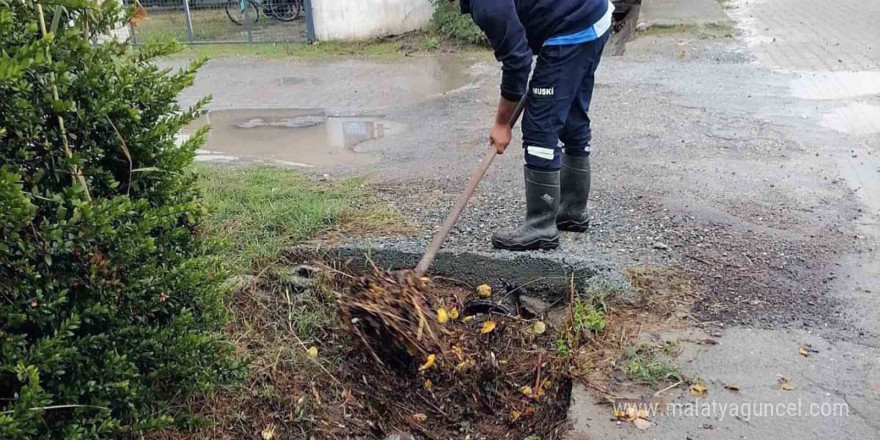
(499, 137)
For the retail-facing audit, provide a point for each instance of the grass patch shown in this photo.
(586, 320)
(381, 49)
(660, 300)
(378, 49)
(666, 29)
(259, 212)
(650, 364)
(711, 30)
(273, 328)
(212, 24)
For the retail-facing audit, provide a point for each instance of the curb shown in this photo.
(681, 13)
(548, 275)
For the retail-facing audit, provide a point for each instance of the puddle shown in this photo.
(856, 118)
(836, 85)
(443, 74)
(862, 269)
(293, 137)
(426, 76)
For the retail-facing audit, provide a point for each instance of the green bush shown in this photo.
(451, 25)
(110, 302)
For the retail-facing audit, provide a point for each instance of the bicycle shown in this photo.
(281, 10)
(237, 10)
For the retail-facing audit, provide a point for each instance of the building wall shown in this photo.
(359, 19)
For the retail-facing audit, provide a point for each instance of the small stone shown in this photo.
(533, 305)
(297, 284)
(661, 246)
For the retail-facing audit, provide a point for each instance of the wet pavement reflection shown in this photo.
(293, 137)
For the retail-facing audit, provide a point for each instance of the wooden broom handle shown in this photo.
(463, 199)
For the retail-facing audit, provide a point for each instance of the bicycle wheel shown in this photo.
(283, 10)
(236, 13)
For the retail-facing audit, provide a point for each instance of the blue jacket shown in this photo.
(519, 28)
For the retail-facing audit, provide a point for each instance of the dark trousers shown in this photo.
(557, 109)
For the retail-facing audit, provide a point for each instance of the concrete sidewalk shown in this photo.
(811, 35)
(826, 56)
(668, 13)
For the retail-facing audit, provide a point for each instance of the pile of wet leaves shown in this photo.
(336, 355)
(428, 362)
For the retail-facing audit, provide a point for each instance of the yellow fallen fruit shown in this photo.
(526, 390)
(442, 316)
(453, 313)
(420, 417)
(467, 318)
(786, 385)
(313, 351)
(464, 365)
(539, 328)
(484, 290)
(699, 390)
(488, 326)
(429, 363)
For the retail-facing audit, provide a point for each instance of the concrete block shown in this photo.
(547, 275)
(682, 13)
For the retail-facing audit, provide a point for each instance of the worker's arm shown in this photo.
(498, 19)
(500, 134)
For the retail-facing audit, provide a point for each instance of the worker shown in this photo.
(568, 37)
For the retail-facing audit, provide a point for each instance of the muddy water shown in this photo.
(292, 137)
(422, 78)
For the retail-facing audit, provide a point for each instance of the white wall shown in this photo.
(121, 34)
(358, 19)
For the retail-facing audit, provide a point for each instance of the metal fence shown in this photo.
(225, 21)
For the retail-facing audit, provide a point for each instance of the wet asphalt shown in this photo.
(755, 178)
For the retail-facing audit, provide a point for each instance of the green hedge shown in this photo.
(451, 25)
(110, 302)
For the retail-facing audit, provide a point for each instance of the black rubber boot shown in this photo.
(575, 181)
(542, 202)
